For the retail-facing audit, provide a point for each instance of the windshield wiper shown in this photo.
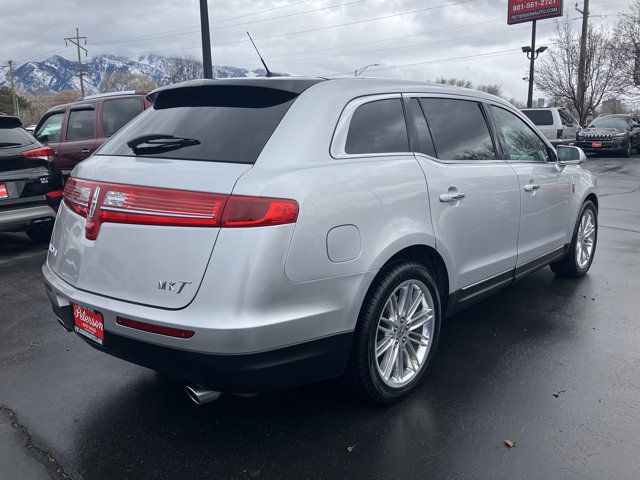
(160, 142)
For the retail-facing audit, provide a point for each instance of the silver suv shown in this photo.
(250, 235)
(555, 123)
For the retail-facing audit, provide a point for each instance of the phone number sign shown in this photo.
(521, 11)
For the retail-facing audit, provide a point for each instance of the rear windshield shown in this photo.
(225, 123)
(539, 117)
(14, 137)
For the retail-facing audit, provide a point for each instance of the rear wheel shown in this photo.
(396, 335)
(40, 233)
(578, 259)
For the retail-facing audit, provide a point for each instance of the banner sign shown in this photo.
(521, 11)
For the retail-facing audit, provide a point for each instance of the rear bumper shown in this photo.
(230, 359)
(19, 218)
(248, 373)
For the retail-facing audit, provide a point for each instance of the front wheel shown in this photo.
(626, 150)
(396, 335)
(578, 259)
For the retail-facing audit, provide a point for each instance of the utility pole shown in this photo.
(76, 41)
(531, 60)
(206, 39)
(16, 107)
(583, 59)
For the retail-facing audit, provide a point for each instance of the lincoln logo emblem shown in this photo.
(175, 287)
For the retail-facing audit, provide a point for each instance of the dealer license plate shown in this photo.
(88, 323)
(596, 144)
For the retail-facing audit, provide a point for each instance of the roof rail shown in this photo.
(113, 94)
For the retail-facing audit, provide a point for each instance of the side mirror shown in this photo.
(568, 155)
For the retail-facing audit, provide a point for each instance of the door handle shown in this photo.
(531, 187)
(451, 197)
(85, 150)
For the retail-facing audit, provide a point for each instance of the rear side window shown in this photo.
(539, 117)
(80, 124)
(459, 129)
(51, 128)
(225, 123)
(118, 112)
(423, 135)
(14, 137)
(378, 127)
(566, 118)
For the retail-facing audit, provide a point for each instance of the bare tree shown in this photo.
(118, 81)
(558, 73)
(456, 82)
(181, 69)
(38, 105)
(492, 89)
(626, 40)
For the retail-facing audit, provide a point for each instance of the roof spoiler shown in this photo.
(7, 121)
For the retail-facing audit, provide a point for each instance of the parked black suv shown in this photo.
(611, 134)
(25, 181)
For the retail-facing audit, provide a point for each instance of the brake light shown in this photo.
(43, 153)
(159, 329)
(54, 194)
(102, 202)
(258, 211)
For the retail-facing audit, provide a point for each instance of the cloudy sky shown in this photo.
(417, 39)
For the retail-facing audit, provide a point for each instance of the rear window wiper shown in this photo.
(9, 144)
(160, 142)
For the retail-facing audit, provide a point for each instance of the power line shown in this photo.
(442, 60)
(161, 35)
(316, 29)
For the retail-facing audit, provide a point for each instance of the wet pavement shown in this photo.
(69, 411)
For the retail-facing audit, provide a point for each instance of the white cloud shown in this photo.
(123, 27)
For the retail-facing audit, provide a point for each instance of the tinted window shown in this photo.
(424, 142)
(51, 128)
(567, 119)
(459, 129)
(14, 137)
(522, 143)
(216, 123)
(117, 113)
(80, 124)
(378, 127)
(539, 117)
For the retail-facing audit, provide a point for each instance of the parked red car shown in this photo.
(75, 130)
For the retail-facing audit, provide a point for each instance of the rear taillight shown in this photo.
(559, 133)
(102, 202)
(43, 153)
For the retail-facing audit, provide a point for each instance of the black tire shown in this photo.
(626, 150)
(40, 233)
(568, 266)
(362, 376)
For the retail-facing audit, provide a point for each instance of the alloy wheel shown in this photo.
(404, 333)
(586, 238)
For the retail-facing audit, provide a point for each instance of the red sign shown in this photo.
(521, 11)
(88, 323)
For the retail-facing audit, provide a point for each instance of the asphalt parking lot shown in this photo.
(551, 364)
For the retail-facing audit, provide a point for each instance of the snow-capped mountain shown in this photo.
(57, 73)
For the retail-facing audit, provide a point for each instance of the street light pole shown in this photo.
(360, 70)
(583, 60)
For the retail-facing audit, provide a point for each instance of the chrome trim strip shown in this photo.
(158, 213)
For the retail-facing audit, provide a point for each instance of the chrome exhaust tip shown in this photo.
(199, 395)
